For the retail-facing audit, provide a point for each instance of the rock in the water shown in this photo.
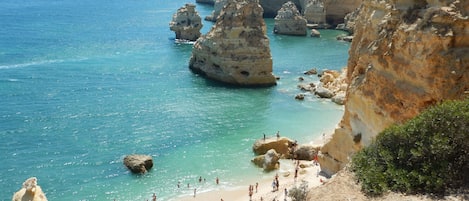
(313, 71)
(289, 21)
(269, 161)
(300, 97)
(307, 87)
(315, 33)
(281, 145)
(236, 50)
(339, 98)
(138, 163)
(30, 191)
(186, 23)
(323, 92)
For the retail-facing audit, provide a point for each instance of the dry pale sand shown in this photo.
(265, 191)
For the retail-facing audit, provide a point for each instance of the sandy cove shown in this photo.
(310, 174)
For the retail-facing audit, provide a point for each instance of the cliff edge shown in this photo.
(406, 55)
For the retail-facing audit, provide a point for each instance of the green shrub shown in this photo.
(427, 154)
(299, 193)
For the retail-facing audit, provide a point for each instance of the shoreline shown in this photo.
(308, 172)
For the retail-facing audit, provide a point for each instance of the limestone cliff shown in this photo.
(337, 9)
(314, 11)
(186, 23)
(236, 50)
(289, 21)
(406, 55)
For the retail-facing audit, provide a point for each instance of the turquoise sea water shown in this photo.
(83, 83)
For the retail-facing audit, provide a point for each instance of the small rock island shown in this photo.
(186, 23)
(236, 50)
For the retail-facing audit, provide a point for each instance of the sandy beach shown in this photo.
(309, 172)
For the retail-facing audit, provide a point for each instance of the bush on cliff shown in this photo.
(427, 154)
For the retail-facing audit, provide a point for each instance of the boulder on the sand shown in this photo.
(138, 163)
(281, 145)
(268, 161)
(30, 191)
(306, 152)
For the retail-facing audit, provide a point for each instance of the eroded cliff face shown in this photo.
(337, 9)
(236, 50)
(406, 55)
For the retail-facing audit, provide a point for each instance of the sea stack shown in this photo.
(405, 56)
(186, 23)
(236, 50)
(30, 191)
(289, 21)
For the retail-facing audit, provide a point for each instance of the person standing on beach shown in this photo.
(278, 135)
(264, 137)
(286, 193)
(216, 180)
(154, 197)
(257, 184)
(195, 191)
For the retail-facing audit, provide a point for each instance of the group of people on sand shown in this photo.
(251, 190)
(217, 181)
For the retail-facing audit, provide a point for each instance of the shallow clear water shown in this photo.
(84, 83)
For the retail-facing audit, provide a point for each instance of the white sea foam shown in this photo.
(38, 63)
(33, 63)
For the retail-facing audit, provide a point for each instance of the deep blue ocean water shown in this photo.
(84, 83)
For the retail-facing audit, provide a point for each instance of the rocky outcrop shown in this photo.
(269, 161)
(138, 163)
(186, 23)
(349, 21)
(236, 50)
(405, 56)
(289, 21)
(306, 152)
(30, 191)
(280, 145)
(314, 11)
(332, 85)
(219, 4)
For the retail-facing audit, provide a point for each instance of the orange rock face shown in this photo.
(406, 55)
